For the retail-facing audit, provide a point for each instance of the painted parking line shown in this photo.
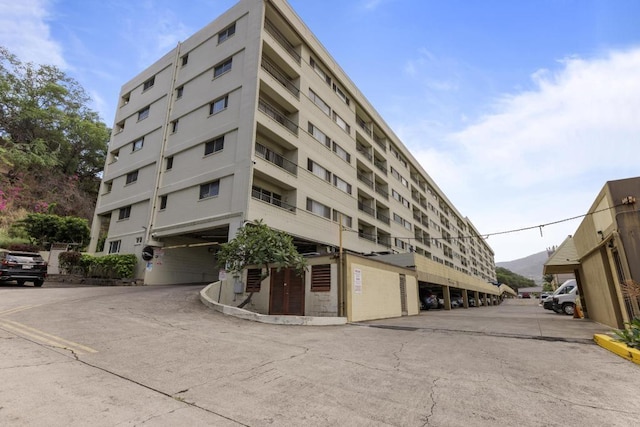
(43, 337)
(17, 309)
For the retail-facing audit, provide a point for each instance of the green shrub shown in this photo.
(69, 262)
(22, 247)
(631, 335)
(114, 266)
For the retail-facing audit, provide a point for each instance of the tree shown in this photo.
(512, 279)
(47, 132)
(258, 244)
(44, 229)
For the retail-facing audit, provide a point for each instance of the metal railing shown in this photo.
(380, 141)
(278, 116)
(380, 166)
(282, 40)
(362, 150)
(366, 209)
(276, 159)
(380, 190)
(363, 125)
(382, 217)
(365, 180)
(272, 200)
(280, 76)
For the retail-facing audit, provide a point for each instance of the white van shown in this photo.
(547, 303)
(564, 298)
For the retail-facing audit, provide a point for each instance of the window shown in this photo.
(169, 165)
(218, 105)
(137, 144)
(114, 247)
(340, 94)
(346, 220)
(318, 170)
(149, 83)
(179, 92)
(124, 213)
(341, 184)
(125, 99)
(144, 113)
(319, 102)
(253, 280)
(185, 59)
(321, 278)
(120, 126)
(319, 71)
(214, 145)
(341, 152)
(174, 126)
(209, 189)
(222, 68)
(226, 33)
(319, 135)
(340, 122)
(107, 186)
(318, 208)
(113, 156)
(397, 218)
(132, 177)
(163, 202)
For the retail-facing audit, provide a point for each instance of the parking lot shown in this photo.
(104, 356)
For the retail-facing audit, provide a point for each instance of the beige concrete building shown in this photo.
(251, 118)
(604, 255)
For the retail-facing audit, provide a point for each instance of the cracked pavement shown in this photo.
(164, 359)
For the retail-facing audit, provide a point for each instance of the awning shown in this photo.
(564, 259)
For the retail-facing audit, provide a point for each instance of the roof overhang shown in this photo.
(564, 259)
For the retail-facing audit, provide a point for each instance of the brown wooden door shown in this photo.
(287, 293)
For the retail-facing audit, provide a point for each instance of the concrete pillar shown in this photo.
(476, 297)
(465, 298)
(446, 295)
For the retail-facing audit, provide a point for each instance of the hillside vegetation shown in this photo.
(52, 146)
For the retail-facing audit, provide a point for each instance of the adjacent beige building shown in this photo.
(251, 118)
(604, 255)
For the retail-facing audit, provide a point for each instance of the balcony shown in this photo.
(381, 190)
(363, 125)
(276, 159)
(282, 40)
(380, 165)
(364, 151)
(366, 209)
(272, 199)
(382, 217)
(366, 180)
(280, 76)
(380, 141)
(278, 116)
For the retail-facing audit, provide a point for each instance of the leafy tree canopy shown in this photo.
(44, 229)
(258, 244)
(48, 138)
(512, 279)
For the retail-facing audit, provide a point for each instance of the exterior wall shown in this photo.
(181, 265)
(390, 194)
(373, 290)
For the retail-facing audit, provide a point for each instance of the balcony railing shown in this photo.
(272, 200)
(363, 125)
(278, 116)
(368, 236)
(282, 40)
(382, 191)
(380, 165)
(366, 209)
(280, 76)
(380, 141)
(276, 159)
(362, 150)
(382, 217)
(365, 180)
(384, 240)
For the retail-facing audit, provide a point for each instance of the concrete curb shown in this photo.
(265, 318)
(619, 348)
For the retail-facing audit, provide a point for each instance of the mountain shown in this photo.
(529, 267)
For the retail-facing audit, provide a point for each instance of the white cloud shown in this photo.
(25, 32)
(543, 155)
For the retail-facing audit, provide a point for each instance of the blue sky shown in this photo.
(519, 110)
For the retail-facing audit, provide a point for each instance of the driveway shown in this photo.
(105, 356)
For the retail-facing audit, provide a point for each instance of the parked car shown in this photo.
(22, 267)
(429, 301)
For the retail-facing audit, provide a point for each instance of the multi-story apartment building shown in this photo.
(251, 118)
